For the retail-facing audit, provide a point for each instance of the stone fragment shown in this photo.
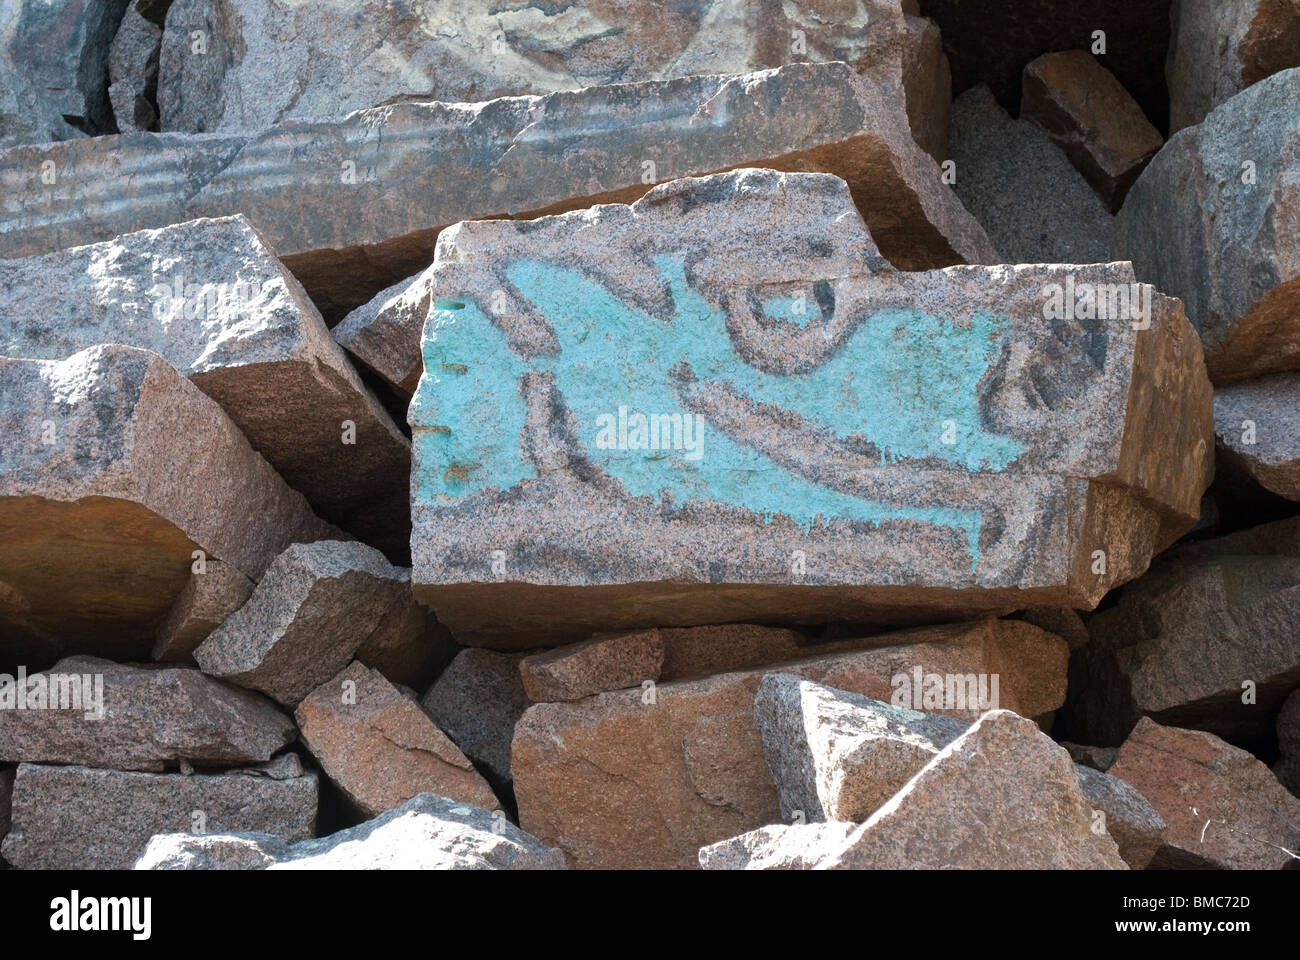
(354, 205)
(116, 471)
(1090, 116)
(721, 648)
(1062, 621)
(204, 603)
(1002, 796)
(1212, 222)
(6, 799)
(428, 832)
(380, 748)
(1225, 810)
(741, 301)
(102, 714)
(317, 604)
(212, 299)
(408, 646)
(384, 333)
(606, 662)
(835, 755)
(1137, 829)
(1184, 643)
(927, 81)
(133, 71)
(54, 69)
(1021, 188)
(1218, 49)
(78, 818)
(1287, 767)
(780, 846)
(476, 701)
(1255, 426)
(1099, 758)
(624, 780)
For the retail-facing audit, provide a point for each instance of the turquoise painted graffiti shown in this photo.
(611, 351)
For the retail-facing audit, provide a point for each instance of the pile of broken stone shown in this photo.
(530, 437)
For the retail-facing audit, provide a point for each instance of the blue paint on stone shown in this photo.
(896, 381)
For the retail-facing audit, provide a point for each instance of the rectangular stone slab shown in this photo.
(211, 299)
(354, 205)
(829, 386)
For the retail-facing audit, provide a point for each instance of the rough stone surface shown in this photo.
(408, 646)
(1062, 621)
(1225, 810)
(54, 69)
(99, 524)
(476, 701)
(211, 298)
(1099, 758)
(835, 755)
(927, 81)
(354, 205)
(617, 782)
(1218, 49)
(720, 648)
(1182, 641)
(149, 717)
(78, 818)
(1287, 768)
(204, 603)
(1021, 188)
(1212, 220)
(428, 832)
(744, 299)
(384, 333)
(607, 662)
(6, 799)
(316, 606)
(1090, 116)
(380, 748)
(1137, 829)
(779, 846)
(133, 71)
(1001, 796)
(1255, 425)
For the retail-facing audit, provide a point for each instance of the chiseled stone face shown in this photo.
(721, 403)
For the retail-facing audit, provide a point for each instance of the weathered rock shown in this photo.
(117, 469)
(476, 701)
(1223, 807)
(1212, 221)
(408, 646)
(835, 755)
(133, 71)
(1062, 621)
(1092, 118)
(1287, 768)
(741, 301)
(616, 781)
(928, 83)
(611, 661)
(780, 846)
(428, 832)
(54, 69)
(1218, 49)
(78, 818)
(721, 648)
(1021, 188)
(1001, 796)
(204, 603)
(104, 714)
(316, 606)
(1205, 639)
(384, 333)
(380, 748)
(1099, 758)
(1255, 425)
(1135, 826)
(214, 301)
(991, 41)
(6, 799)
(354, 205)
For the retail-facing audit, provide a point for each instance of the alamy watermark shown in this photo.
(651, 431)
(1098, 301)
(198, 301)
(918, 690)
(82, 692)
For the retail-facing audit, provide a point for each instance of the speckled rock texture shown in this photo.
(1218, 49)
(644, 778)
(1287, 767)
(780, 846)
(316, 606)
(102, 714)
(623, 422)
(353, 205)
(1212, 220)
(133, 70)
(427, 832)
(606, 662)
(78, 818)
(211, 298)
(118, 469)
(202, 605)
(1225, 810)
(380, 748)
(1255, 426)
